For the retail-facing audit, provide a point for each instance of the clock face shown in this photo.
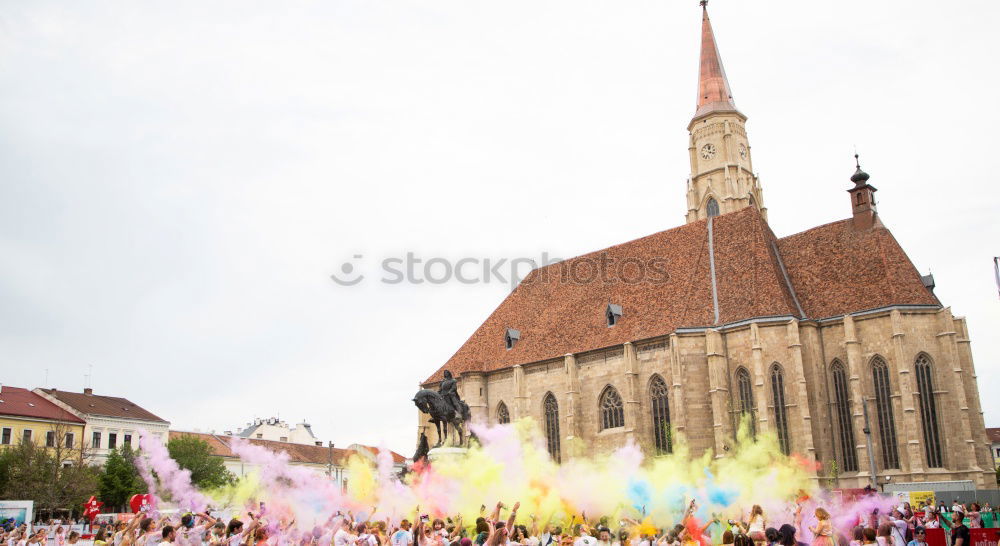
(708, 151)
(743, 151)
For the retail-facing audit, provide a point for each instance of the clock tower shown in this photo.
(722, 178)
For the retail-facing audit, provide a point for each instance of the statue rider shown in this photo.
(449, 391)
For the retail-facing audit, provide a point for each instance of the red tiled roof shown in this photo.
(108, 406)
(993, 434)
(297, 453)
(19, 402)
(833, 269)
(837, 270)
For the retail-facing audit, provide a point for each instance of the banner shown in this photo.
(935, 537)
(17, 512)
(919, 499)
(984, 537)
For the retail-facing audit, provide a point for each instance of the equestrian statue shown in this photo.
(444, 407)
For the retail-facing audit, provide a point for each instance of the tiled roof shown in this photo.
(837, 270)
(833, 270)
(297, 453)
(106, 406)
(19, 402)
(993, 434)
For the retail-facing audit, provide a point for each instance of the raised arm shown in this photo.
(513, 515)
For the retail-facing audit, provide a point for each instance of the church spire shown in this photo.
(714, 93)
(722, 177)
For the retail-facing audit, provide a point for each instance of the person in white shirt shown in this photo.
(343, 537)
(899, 528)
(403, 536)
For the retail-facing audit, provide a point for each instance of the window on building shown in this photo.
(928, 412)
(883, 408)
(26, 436)
(744, 403)
(50, 438)
(70, 440)
(503, 416)
(283, 439)
(612, 409)
(712, 207)
(95, 441)
(662, 440)
(112, 440)
(780, 411)
(127, 440)
(510, 338)
(551, 408)
(5, 435)
(842, 410)
(260, 435)
(613, 313)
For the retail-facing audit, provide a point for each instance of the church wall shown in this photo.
(699, 369)
(698, 408)
(816, 370)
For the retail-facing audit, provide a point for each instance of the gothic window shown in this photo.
(612, 409)
(661, 415)
(752, 202)
(883, 408)
(712, 207)
(842, 410)
(780, 412)
(503, 416)
(551, 408)
(745, 402)
(928, 412)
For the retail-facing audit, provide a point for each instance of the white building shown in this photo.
(276, 430)
(111, 421)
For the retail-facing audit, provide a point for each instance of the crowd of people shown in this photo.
(902, 526)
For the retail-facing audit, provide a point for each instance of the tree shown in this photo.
(120, 478)
(194, 454)
(52, 481)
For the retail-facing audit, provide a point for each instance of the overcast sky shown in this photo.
(179, 180)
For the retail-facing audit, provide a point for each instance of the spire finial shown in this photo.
(859, 177)
(704, 4)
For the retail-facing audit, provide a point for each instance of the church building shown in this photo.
(816, 337)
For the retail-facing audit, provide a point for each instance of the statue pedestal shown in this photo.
(446, 453)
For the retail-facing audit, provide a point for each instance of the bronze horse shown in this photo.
(442, 413)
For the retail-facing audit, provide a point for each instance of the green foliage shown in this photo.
(120, 479)
(194, 454)
(54, 479)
